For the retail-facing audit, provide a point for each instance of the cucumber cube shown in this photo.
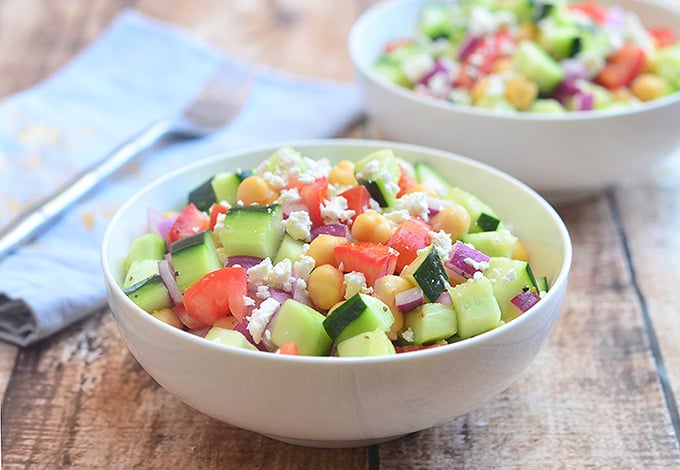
(300, 324)
(476, 308)
(194, 257)
(370, 343)
(497, 243)
(358, 314)
(148, 246)
(431, 322)
(229, 337)
(508, 278)
(252, 231)
(380, 173)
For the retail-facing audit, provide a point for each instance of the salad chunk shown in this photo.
(548, 56)
(301, 256)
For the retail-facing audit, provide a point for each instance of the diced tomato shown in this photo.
(395, 44)
(289, 348)
(593, 10)
(312, 196)
(217, 294)
(372, 259)
(215, 211)
(358, 199)
(465, 77)
(663, 37)
(622, 67)
(406, 182)
(189, 222)
(409, 237)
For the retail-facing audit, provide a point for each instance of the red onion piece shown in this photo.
(160, 225)
(465, 260)
(584, 101)
(243, 261)
(565, 90)
(445, 298)
(167, 274)
(525, 300)
(409, 299)
(301, 295)
(337, 230)
(202, 331)
(574, 70)
(279, 295)
(242, 327)
(469, 44)
(439, 67)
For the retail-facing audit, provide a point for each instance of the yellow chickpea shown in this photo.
(322, 247)
(520, 252)
(419, 188)
(521, 92)
(166, 315)
(371, 226)
(386, 288)
(453, 219)
(228, 322)
(479, 89)
(527, 31)
(502, 65)
(255, 190)
(647, 87)
(326, 286)
(342, 174)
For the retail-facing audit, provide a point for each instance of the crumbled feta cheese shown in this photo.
(439, 84)
(281, 276)
(495, 86)
(258, 319)
(315, 169)
(289, 196)
(415, 203)
(335, 211)
(355, 282)
(397, 217)
(477, 265)
(261, 272)
(369, 171)
(219, 222)
(477, 275)
(417, 66)
(298, 225)
(247, 301)
(484, 22)
(510, 276)
(262, 292)
(408, 335)
(303, 267)
(442, 244)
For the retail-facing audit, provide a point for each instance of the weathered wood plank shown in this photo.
(592, 398)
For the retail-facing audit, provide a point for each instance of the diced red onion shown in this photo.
(439, 67)
(469, 44)
(445, 298)
(190, 322)
(409, 299)
(243, 261)
(616, 17)
(465, 260)
(337, 230)
(160, 225)
(279, 295)
(301, 295)
(202, 331)
(167, 274)
(565, 90)
(525, 300)
(574, 70)
(584, 101)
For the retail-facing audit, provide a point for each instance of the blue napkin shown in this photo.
(139, 70)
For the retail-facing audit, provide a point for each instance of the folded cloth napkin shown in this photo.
(139, 70)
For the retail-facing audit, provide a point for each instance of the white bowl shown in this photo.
(564, 157)
(332, 401)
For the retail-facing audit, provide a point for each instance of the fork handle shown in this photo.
(35, 218)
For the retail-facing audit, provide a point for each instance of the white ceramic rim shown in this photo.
(558, 285)
(372, 14)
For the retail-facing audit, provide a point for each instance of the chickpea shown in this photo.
(255, 190)
(322, 247)
(479, 89)
(371, 226)
(326, 286)
(342, 174)
(228, 322)
(502, 65)
(520, 252)
(453, 219)
(166, 315)
(521, 92)
(647, 87)
(386, 288)
(419, 188)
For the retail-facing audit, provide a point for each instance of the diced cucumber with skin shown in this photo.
(542, 284)
(666, 64)
(144, 286)
(478, 210)
(148, 246)
(229, 337)
(430, 178)
(476, 308)
(435, 20)
(194, 257)
(203, 196)
(427, 272)
(379, 172)
(252, 231)
(358, 314)
(522, 9)
(369, 343)
(431, 322)
(391, 70)
(290, 248)
(509, 277)
(499, 243)
(225, 185)
(300, 324)
(535, 64)
(546, 106)
(561, 42)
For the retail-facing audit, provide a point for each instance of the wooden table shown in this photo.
(603, 393)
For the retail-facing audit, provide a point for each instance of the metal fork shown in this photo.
(213, 107)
